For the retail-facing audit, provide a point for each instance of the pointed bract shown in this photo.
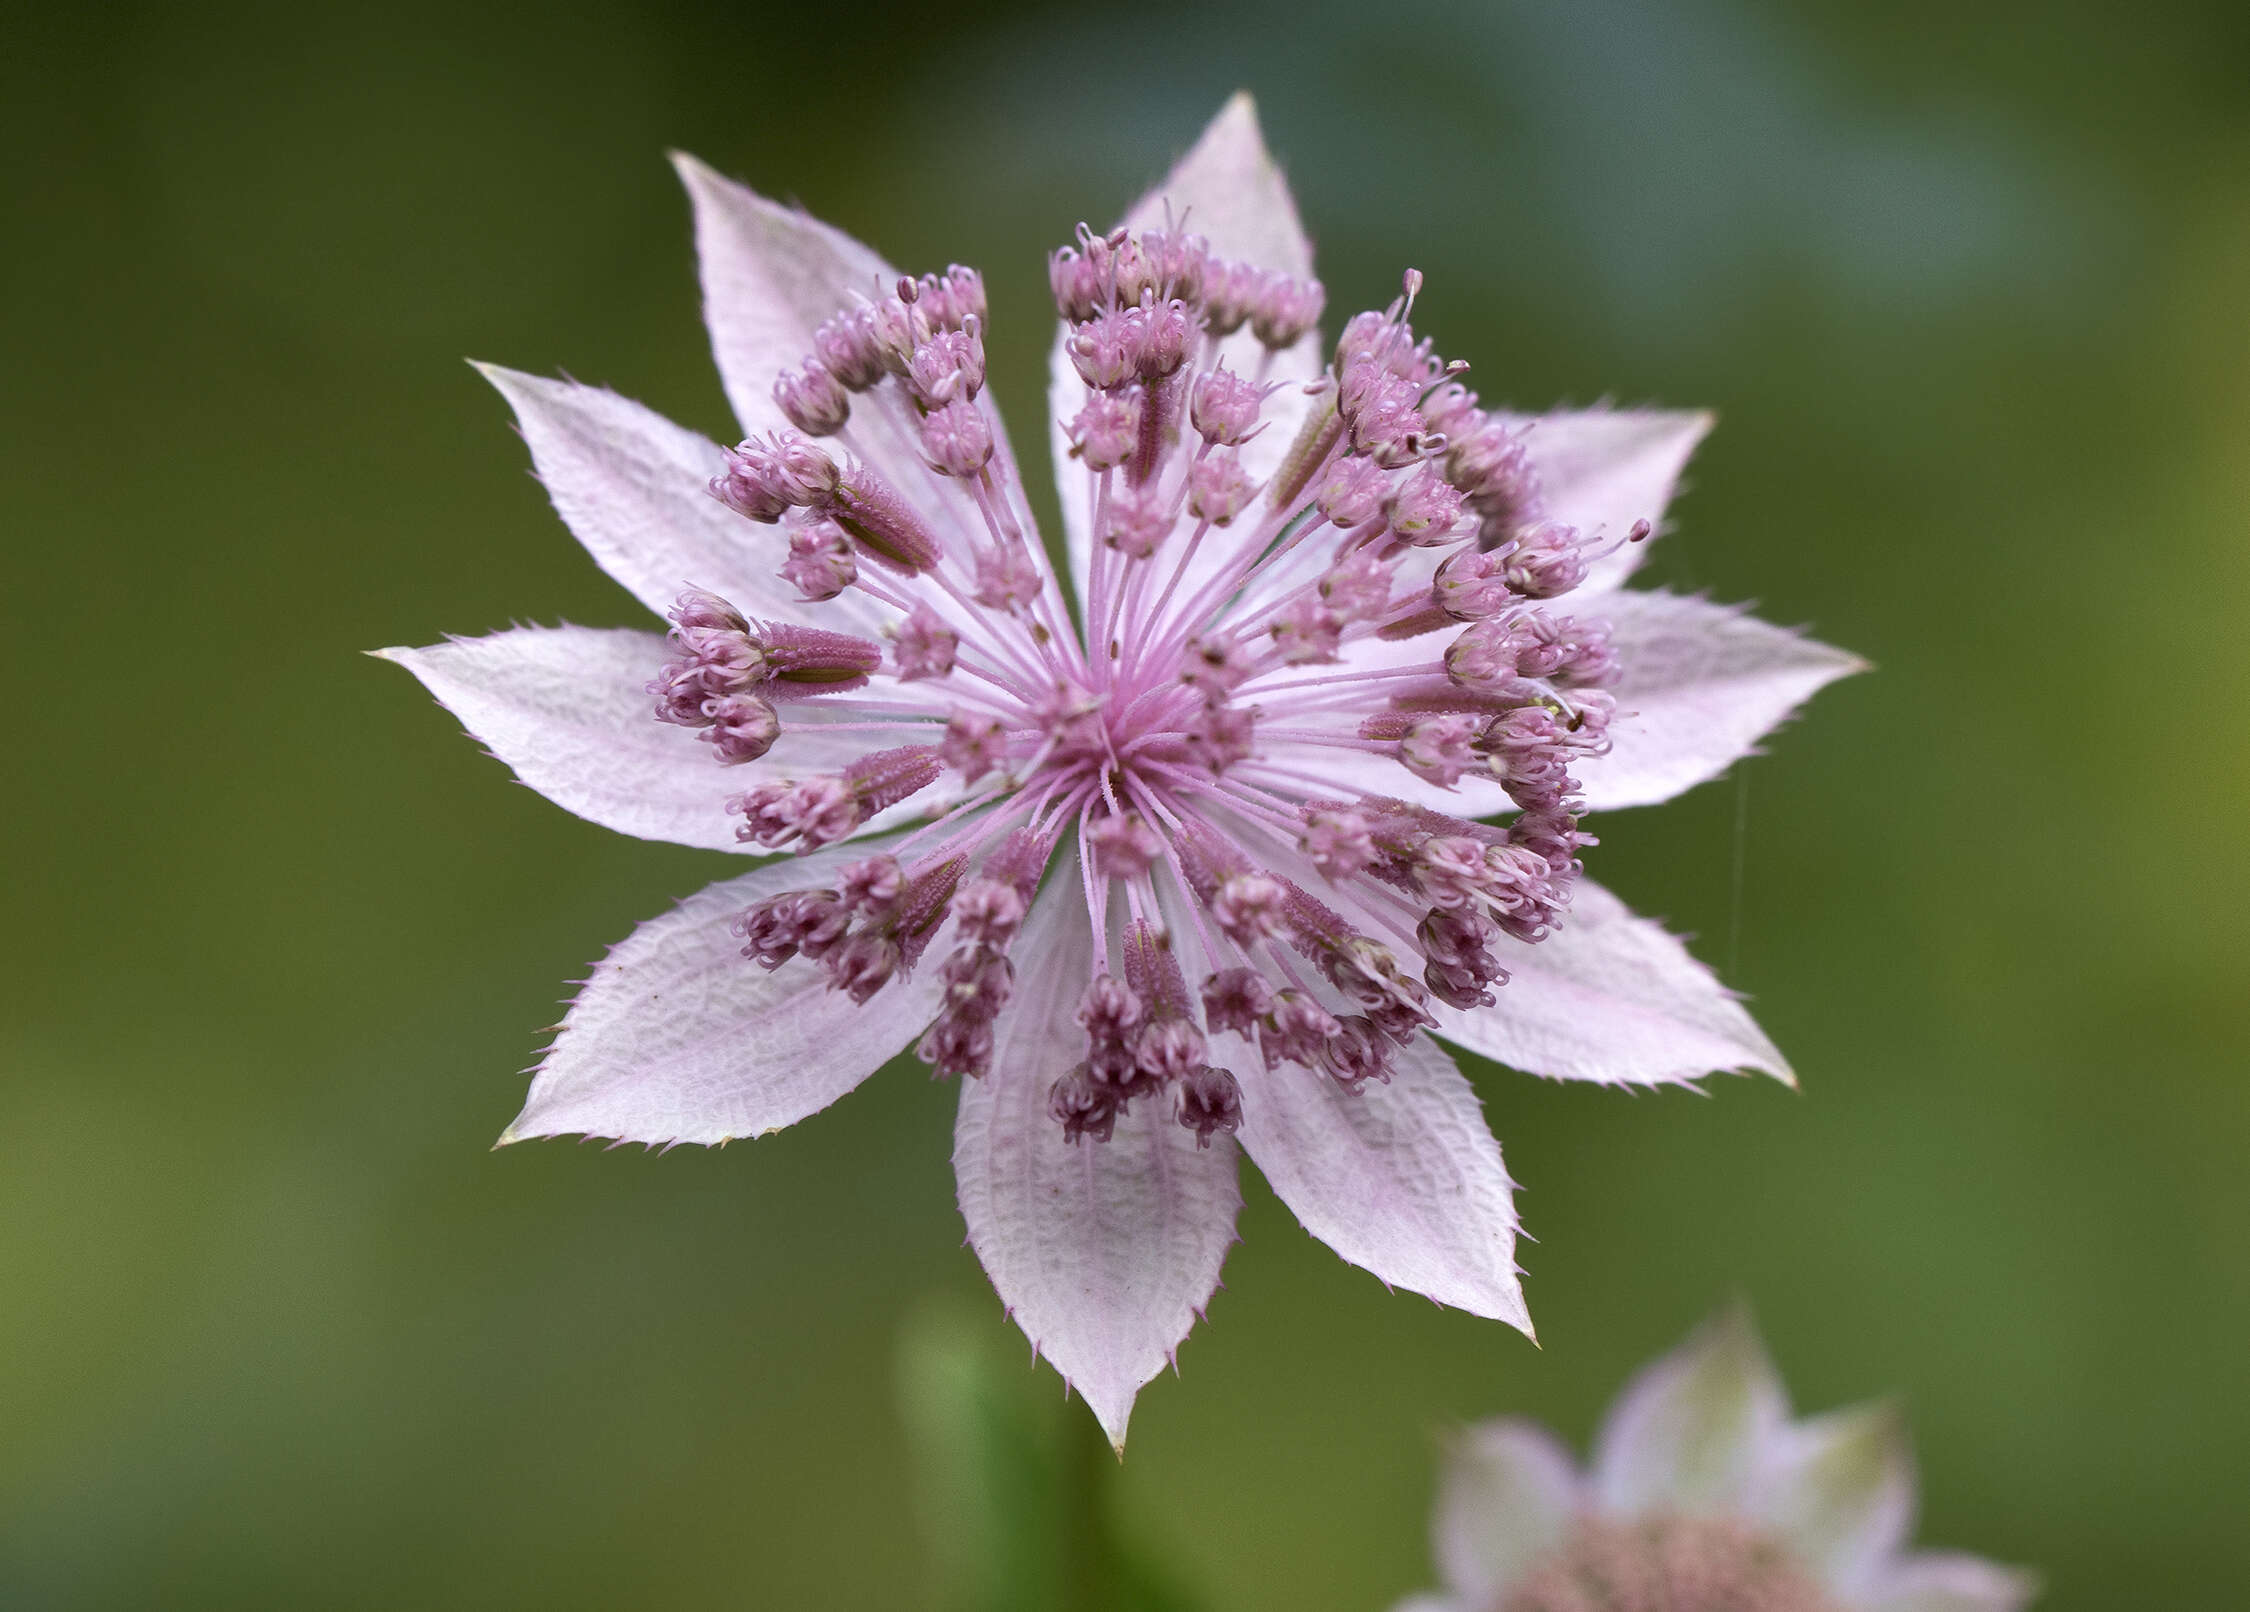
(1839, 1491)
(1688, 1432)
(1601, 470)
(1105, 1253)
(1611, 998)
(567, 709)
(1403, 1179)
(1942, 1581)
(770, 275)
(1229, 189)
(1700, 684)
(631, 486)
(1507, 1495)
(677, 1038)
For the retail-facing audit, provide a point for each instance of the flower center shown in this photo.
(1258, 726)
(1668, 1564)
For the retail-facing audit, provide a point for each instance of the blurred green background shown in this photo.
(1970, 288)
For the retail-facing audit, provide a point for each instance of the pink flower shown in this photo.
(1213, 875)
(1702, 1496)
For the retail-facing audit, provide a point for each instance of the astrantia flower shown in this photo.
(1703, 1496)
(1194, 850)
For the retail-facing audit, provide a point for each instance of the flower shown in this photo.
(1703, 1496)
(1206, 874)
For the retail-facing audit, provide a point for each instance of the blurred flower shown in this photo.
(1703, 1496)
(1325, 646)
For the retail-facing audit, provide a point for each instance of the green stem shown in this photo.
(1089, 1573)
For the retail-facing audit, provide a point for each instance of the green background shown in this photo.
(1970, 289)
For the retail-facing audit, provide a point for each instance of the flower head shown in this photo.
(1204, 863)
(1703, 1496)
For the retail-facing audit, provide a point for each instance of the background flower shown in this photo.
(1702, 1496)
(1963, 285)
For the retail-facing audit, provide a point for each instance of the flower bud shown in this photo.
(1224, 408)
(1424, 509)
(845, 344)
(743, 728)
(923, 646)
(957, 439)
(1080, 291)
(813, 398)
(1210, 1100)
(1108, 429)
(1285, 308)
(1219, 488)
(1353, 492)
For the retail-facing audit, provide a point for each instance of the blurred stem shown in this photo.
(1088, 1467)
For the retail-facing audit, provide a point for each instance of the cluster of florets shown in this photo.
(1399, 458)
(806, 814)
(729, 674)
(1478, 881)
(768, 477)
(915, 356)
(1258, 913)
(1145, 312)
(1142, 1040)
(987, 912)
(1524, 740)
(1140, 307)
(857, 347)
(864, 932)
(926, 336)
(1399, 510)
